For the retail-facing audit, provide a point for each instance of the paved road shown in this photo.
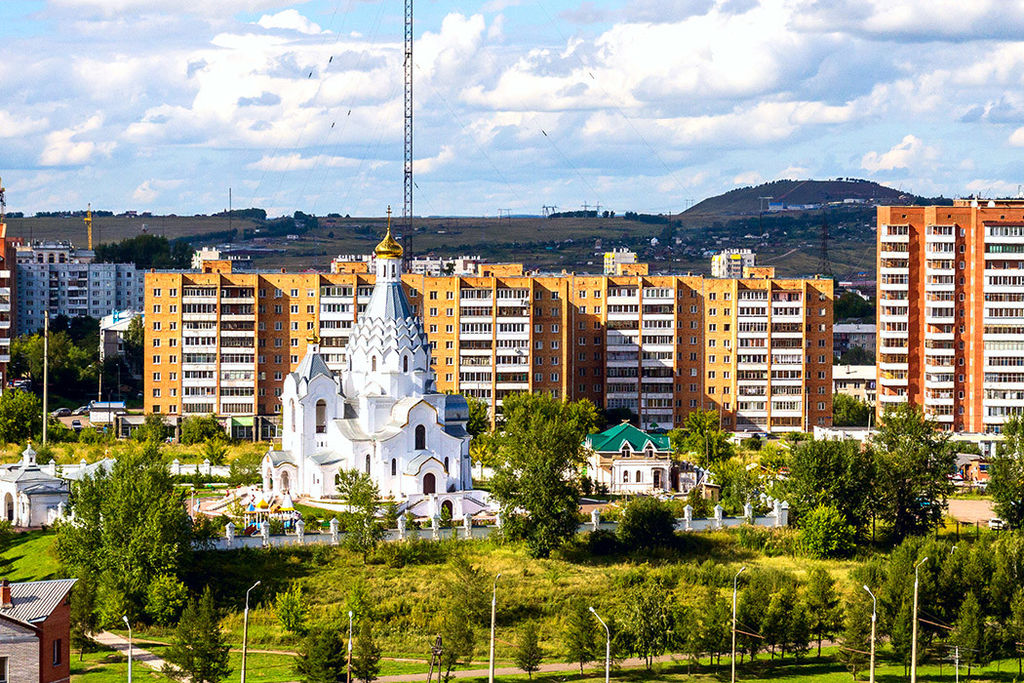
(560, 667)
(971, 511)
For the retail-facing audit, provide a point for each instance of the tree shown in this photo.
(20, 416)
(457, 638)
(702, 435)
(647, 523)
(134, 345)
(916, 460)
(479, 421)
(291, 610)
(146, 251)
(215, 450)
(165, 599)
(852, 305)
(1006, 482)
(647, 620)
(855, 638)
(466, 587)
(540, 452)
(1015, 625)
(322, 656)
(200, 429)
(824, 533)
(152, 430)
(856, 355)
(528, 651)
(580, 634)
(969, 633)
(245, 469)
(836, 473)
(849, 411)
(198, 652)
(83, 611)
(360, 493)
(129, 527)
(823, 606)
(366, 654)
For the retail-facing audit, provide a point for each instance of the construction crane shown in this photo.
(88, 224)
(3, 205)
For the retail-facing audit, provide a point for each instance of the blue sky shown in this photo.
(162, 105)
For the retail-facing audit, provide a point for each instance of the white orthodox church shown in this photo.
(381, 415)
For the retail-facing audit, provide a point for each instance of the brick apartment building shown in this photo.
(35, 631)
(951, 311)
(759, 351)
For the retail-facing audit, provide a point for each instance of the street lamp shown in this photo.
(607, 646)
(735, 579)
(874, 620)
(125, 620)
(245, 630)
(913, 643)
(494, 605)
(348, 676)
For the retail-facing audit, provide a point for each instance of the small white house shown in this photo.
(30, 497)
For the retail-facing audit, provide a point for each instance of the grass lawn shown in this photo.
(30, 557)
(107, 666)
(69, 453)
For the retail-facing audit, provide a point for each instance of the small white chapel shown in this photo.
(381, 415)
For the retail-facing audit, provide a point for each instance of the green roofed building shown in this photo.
(626, 459)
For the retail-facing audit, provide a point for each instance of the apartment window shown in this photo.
(554, 344)
(310, 310)
(433, 295)
(278, 293)
(295, 326)
(172, 292)
(712, 327)
(433, 329)
(538, 345)
(156, 393)
(277, 376)
(277, 343)
(156, 326)
(156, 292)
(711, 374)
(538, 376)
(448, 377)
(278, 359)
(155, 408)
(293, 292)
(295, 342)
(538, 328)
(449, 344)
(156, 376)
(156, 360)
(821, 405)
(433, 312)
(277, 309)
(295, 359)
(294, 309)
(538, 360)
(554, 376)
(156, 308)
(174, 377)
(449, 312)
(711, 358)
(310, 293)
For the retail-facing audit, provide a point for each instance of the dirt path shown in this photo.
(119, 644)
(560, 667)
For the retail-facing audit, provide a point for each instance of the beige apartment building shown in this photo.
(758, 351)
(951, 311)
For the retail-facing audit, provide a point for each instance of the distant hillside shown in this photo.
(746, 201)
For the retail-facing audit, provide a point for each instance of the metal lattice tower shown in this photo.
(407, 207)
(824, 263)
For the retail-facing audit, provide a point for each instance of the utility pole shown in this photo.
(734, 582)
(874, 620)
(46, 369)
(913, 643)
(494, 606)
(348, 676)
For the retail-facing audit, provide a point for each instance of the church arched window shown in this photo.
(321, 416)
(367, 463)
(405, 364)
(446, 465)
(394, 467)
(639, 476)
(291, 411)
(625, 476)
(421, 437)
(625, 450)
(373, 364)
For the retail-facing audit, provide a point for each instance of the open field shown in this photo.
(117, 228)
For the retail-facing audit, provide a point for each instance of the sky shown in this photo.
(649, 105)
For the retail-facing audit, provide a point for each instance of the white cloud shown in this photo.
(909, 152)
(150, 189)
(222, 8)
(430, 164)
(291, 20)
(297, 162)
(1017, 137)
(748, 178)
(992, 188)
(64, 148)
(12, 126)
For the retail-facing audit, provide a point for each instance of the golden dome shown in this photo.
(389, 246)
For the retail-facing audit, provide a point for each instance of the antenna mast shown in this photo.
(3, 208)
(407, 207)
(88, 224)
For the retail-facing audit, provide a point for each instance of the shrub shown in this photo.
(291, 610)
(198, 429)
(647, 523)
(602, 543)
(825, 533)
(165, 599)
(770, 541)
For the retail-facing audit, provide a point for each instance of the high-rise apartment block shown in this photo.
(757, 351)
(951, 311)
(732, 262)
(57, 277)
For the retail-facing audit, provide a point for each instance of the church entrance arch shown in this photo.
(446, 509)
(9, 508)
(657, 479)
(429, 484)
(284, 482)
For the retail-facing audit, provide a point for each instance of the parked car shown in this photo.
(996, 524)
(76, 425)
(80, 410)
(61, 412)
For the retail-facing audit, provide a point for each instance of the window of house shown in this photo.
(56, 652)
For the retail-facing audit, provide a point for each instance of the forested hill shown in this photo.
(745, 201)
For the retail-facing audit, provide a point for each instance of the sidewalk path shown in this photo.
(116, 642)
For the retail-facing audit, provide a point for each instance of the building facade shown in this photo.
(951, 311)
(857, 381)
(846, 336)
(757, 351)
(57, 277)
(8, 299)
(35, 631)
(732, 262)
